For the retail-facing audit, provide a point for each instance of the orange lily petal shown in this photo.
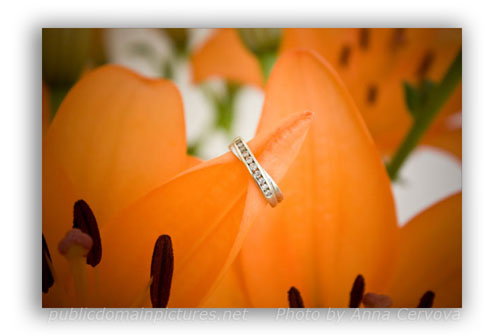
(117, 136)
(206, 211)
(225, 56)
(230, 292)
(338, 217)
(193, 161)
(431, 257)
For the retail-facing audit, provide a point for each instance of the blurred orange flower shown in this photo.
(373, 64)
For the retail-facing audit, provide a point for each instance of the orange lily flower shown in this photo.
(373, 64)
(118, 142)
(338, 218)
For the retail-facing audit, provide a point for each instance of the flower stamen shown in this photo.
(398, 38)
(372, 94)
(427, 300)
(364, 38)
(295, 299)
(85, 220)
(345, 53)
(357, 292)
(425, 64)
(75, 246)
(161, 272)
(47, 271)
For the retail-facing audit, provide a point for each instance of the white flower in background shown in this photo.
(215, 143)
(428, 176)
(248, 107)
(198, 109)
(197, 37)
(143, 50)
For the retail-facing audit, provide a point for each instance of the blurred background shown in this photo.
(216, 110)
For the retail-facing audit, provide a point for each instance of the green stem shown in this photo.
(225, 107)
(58, 93)
(267, 60)
(426, 115)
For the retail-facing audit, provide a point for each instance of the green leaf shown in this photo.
(225, 107)
(412, 97)
(417, 97)
(426, 88)
(434, 97)
(167, 70)
(264, 44)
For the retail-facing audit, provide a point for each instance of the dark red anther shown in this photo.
(295, 299)
(47, 276)
(427, 300)
(364, 38)
(398, 38)
(425, 64)
(85, 220)
(344, 57)
(357, 292)
(161, 272)
(372, 94)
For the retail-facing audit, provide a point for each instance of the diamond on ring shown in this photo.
(268, 187)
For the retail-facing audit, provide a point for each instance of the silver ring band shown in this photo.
(265, 183)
